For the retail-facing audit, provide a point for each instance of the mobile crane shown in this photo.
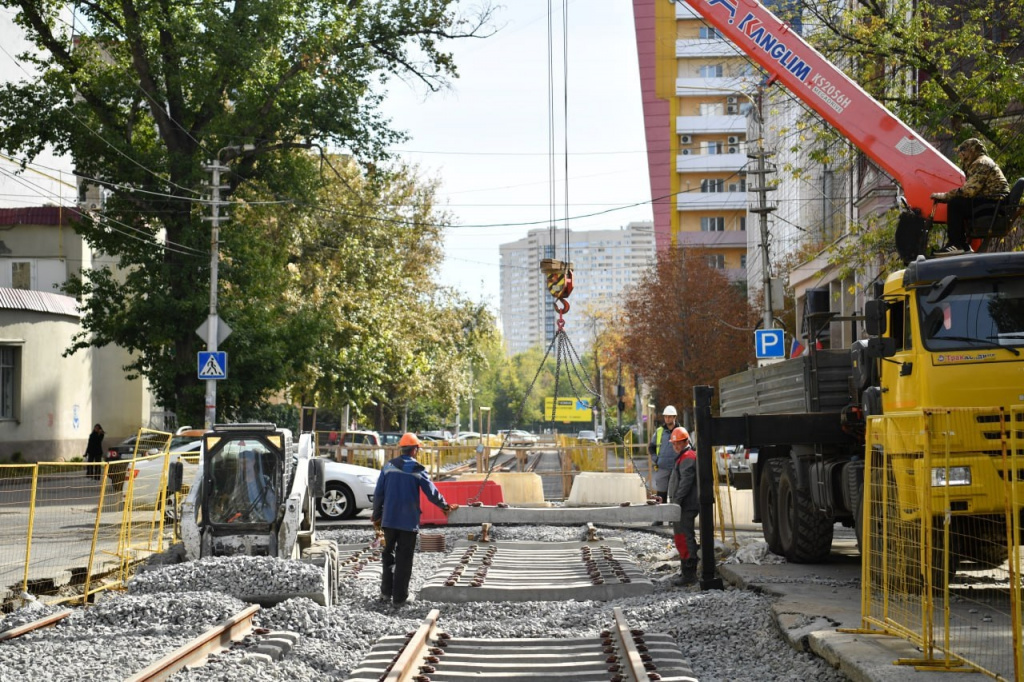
(918, 168)
(807, 416)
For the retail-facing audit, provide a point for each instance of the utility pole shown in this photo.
(216, 330)
(212, 326)
(761, 188)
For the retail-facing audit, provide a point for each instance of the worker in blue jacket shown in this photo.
(396, 510)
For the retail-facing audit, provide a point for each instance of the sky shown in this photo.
(487, 137)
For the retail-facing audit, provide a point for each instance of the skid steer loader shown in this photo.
(254, 495)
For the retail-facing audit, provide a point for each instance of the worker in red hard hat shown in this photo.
(682, 490)
(396, 511)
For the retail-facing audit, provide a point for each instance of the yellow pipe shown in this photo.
(95, 533)
(31, 525)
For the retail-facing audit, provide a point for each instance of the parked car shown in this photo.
(733, 463)
(146, 473)
(467, 438)
(361, 447)
(588, 437)
(349, 490)
(390, 438)
(518, 438)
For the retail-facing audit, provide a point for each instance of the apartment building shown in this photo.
(605, 262)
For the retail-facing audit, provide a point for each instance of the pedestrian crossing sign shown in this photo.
(213, 365)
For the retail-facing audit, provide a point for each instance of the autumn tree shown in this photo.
(685, 325)
(142, 94)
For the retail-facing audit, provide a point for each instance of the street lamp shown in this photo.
(215, 331)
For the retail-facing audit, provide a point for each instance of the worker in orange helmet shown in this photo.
(396, 510)
(682, 490)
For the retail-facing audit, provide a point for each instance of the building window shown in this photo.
(717, 261)
(715, 224)
(711, 147)
(711, 71)
(710, 33)
(21, 275)
(7, 382)
(711, 109)
(712, 185)
(743, 260)
(743, 223)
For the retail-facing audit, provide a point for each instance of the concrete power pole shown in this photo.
(212, 326)
(763, 209)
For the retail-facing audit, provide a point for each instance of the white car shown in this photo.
(146, 473)
(349, 490)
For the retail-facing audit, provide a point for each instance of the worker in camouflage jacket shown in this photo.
(984, 186)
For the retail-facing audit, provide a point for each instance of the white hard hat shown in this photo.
(669, 411)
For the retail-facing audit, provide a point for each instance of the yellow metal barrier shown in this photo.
(939, 536)
(70, 530)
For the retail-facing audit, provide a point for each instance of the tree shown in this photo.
(142, 93)
(685, 326)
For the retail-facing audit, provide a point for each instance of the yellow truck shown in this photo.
(943, 336)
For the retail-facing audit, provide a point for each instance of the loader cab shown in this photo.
(245, 471)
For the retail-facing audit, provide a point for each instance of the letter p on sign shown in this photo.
(770, 343)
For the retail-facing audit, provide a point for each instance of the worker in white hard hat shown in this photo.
(661, 452)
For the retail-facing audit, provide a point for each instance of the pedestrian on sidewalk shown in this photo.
(683, 491)
(396, 511)
(94, 451)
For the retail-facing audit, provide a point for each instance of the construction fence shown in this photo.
(939, 531)
(71, 529)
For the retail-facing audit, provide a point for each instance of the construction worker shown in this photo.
(660, 450)
(984, 185)
(683, 489)
(396, 511)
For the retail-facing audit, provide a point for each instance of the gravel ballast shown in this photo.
(728, 635)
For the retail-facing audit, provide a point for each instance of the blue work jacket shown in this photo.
(396, 499)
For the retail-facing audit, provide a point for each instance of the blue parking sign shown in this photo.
(770, 343)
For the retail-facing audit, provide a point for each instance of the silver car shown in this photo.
(349, 490)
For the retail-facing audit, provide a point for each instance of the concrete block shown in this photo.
(519, 489)
(596, 488)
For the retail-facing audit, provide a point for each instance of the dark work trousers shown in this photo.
(396, 559)
(685, 536)
(959, 212)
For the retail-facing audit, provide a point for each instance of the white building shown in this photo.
(605, 262)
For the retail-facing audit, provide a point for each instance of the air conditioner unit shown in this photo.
(732, 109)
(734, 187)
(685, 139)
(734, 150)
(731, 100)
(686, 152)
(733, 139)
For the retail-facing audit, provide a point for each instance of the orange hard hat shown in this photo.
(408, 439)
(678, 434)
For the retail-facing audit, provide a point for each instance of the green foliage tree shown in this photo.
(141, 93)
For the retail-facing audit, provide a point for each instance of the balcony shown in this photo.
(705, 48)
(725, 85)
(710, 163)
(696, 200)
(731, 239)
(703, 125)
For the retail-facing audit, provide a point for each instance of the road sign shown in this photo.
(223, 330)
(770, 343)
(213, 364)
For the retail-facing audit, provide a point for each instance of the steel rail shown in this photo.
(412, 654)
(215, 639)
(34, 625)
(632, 664)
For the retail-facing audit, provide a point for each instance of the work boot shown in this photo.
(687, 573)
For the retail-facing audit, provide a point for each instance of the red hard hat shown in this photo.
(409, 439)
(678, 434)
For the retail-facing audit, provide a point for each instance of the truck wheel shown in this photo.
(767, 492)
(804, 533)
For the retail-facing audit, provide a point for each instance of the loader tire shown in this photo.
(324, 553)
(804, 533)
(768, 494)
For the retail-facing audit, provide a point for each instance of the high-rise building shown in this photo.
(605, 262)
(695, 113)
